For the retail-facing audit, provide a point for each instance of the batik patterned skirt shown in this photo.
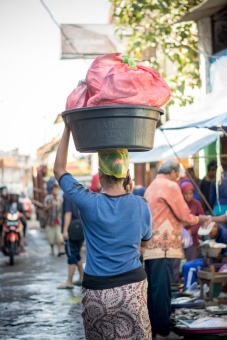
(116, 313)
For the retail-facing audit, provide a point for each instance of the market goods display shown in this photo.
(195, 314)
(208, 320)
(211, 248)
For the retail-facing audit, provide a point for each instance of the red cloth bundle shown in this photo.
(77, 98)
(110, 82)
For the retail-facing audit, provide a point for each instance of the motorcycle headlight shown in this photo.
(12, 217)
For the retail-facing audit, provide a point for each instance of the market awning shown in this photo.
(210, 112)
(184, 142)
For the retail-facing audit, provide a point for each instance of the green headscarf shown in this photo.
(114, 162)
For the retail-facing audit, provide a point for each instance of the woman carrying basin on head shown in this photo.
(116, 223)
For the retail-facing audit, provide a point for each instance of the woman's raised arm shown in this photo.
(62, 153)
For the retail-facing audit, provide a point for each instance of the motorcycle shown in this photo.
(12, 231)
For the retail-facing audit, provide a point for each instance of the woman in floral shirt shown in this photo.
(169, 211)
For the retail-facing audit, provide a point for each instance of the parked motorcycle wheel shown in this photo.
(11, 253)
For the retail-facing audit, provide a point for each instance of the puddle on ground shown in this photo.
(72, 301)
(31, 305)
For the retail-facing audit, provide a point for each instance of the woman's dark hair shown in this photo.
(111, 179)
(212, 165)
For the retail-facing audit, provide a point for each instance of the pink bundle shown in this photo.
(114, 80)
(78, 97)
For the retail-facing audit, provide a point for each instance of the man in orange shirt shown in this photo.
(169, 211)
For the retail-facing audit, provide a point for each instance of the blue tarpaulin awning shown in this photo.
(210, 112)
(185, 143)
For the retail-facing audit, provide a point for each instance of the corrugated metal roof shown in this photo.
(46, 148)
(205, 9)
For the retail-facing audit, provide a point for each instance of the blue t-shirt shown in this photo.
(113, 227)
(67, 206)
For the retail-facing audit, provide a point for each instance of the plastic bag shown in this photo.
(186, 239)
(114, 162)
(98, 71)
(223, 269)
(78, 97)
(110, 82)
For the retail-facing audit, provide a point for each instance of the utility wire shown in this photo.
(67, 39)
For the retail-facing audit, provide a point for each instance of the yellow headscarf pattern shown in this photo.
(114, 162)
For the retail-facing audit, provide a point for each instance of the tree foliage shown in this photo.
(171, 47)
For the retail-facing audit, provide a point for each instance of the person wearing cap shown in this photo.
(214, 231)
(115, 224)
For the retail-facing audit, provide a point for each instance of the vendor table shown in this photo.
(210, 279)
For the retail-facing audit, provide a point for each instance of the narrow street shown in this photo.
(31, 305)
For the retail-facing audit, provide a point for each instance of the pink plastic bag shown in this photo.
(98, 71)
(77, 98)
(110, 82)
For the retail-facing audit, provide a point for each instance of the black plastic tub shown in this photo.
(114, 126)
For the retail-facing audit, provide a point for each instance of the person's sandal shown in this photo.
(60, 254)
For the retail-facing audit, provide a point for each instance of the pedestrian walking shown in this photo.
(70, 214)
(169, 212)
(114, 287)
(53, 209)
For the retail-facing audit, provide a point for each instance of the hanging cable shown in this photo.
(219, 169)
(67, 39)
(220, 128)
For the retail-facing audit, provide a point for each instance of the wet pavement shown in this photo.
(31, 305)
